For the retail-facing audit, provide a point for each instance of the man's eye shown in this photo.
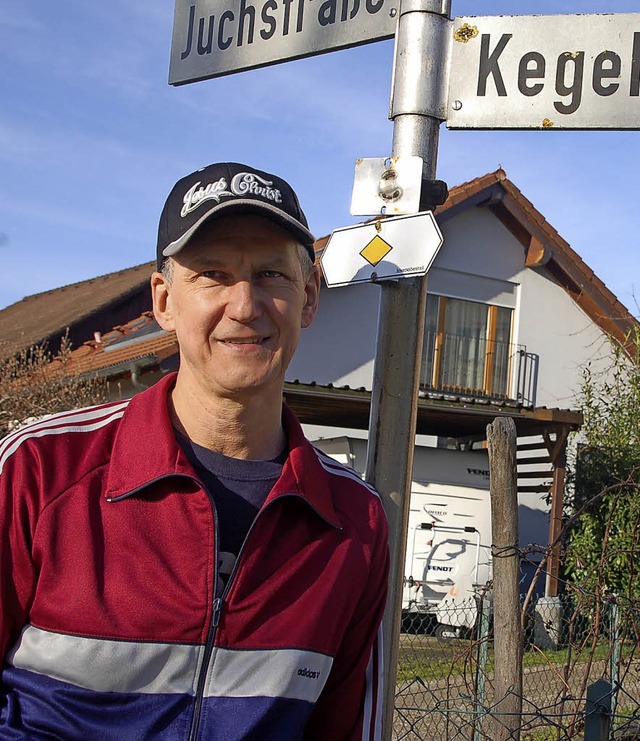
(216, 275)
(270, 274)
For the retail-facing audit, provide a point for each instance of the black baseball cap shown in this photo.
(222, 189)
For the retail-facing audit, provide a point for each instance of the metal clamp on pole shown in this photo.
(422, 59)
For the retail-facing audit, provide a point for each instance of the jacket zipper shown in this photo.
(218, 605)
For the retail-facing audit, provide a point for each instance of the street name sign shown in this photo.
(545, 72)
(212, 38)
(390, 248)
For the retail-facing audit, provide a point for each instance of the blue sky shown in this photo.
(92, 138)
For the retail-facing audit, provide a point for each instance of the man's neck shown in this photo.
(250, 429)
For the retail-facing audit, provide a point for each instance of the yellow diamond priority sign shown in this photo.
(385, 249)
(376, 250)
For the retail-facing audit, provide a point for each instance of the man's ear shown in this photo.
(160, 294)
(312, 295)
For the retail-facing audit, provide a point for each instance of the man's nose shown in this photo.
(243, 302)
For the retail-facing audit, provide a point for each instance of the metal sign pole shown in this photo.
(418, 107)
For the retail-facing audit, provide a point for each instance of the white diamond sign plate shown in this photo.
(385, 249)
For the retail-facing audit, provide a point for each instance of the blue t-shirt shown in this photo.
(238, 489)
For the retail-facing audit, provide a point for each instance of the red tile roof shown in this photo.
(112, 349)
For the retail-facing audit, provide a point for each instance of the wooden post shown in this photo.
(507, 639)
(558, 455)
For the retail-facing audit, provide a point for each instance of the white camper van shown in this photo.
(448, 558)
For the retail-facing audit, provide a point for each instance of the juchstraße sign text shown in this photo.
(217, 37)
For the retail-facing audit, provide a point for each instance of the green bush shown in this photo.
(604, 537)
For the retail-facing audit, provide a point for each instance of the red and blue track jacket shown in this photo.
(110, 626)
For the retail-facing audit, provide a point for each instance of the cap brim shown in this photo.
(293, 226)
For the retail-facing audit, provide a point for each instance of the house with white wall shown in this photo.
(512, 311)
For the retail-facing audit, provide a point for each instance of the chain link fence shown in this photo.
(580, 670)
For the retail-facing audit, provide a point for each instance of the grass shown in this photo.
(425, 657)
(410, 667)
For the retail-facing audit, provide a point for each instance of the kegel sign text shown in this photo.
(545, 72)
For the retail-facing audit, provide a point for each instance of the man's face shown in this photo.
(237, 301)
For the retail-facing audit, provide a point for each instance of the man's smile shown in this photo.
(244, 341)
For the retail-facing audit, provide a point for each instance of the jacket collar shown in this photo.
(145, 450)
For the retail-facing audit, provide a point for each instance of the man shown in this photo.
(186, 565)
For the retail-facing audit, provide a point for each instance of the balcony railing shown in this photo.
(463, 364)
